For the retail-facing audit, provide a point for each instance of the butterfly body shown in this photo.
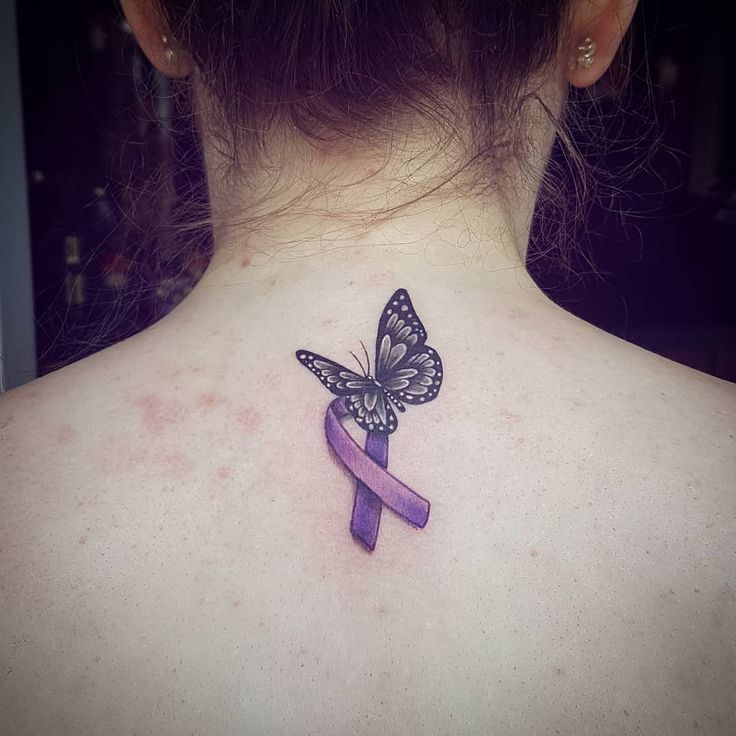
(407, 370)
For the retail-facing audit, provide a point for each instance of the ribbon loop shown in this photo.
(374, 480)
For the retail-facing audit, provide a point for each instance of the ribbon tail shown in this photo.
(366, 517)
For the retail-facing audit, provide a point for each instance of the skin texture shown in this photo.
(176, 546)
(174, 532)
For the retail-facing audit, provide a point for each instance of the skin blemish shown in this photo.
(64, 434)
(248, 419)
(224, 472)
(533, 552)
(384, 278)
(245, 262)
(158, 414)
(175, 463)
(510, 417)
(209, 399)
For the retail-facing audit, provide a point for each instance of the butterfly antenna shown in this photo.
(368, 360)
(359, 363)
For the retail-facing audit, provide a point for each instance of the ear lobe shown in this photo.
(155, 40)
(605, 23)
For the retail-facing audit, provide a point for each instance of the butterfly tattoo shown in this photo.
(407, 370)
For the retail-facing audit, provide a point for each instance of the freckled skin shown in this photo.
(438, 618)
(174, 463)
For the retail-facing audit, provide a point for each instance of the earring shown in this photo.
(170, 53)
(586, 53)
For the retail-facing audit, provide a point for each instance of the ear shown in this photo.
(155, 40)
(605, 22)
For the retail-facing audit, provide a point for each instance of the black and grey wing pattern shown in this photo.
(405, 365)
(372, 411)
(366, 400)
(407, 370)
(337, 378)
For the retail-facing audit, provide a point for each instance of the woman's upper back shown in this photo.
(176, 553)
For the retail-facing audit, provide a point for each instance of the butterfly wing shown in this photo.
(404, 363)
(399, 331)
(337, 378)
(372, 411)
(365, 400)
(418, 378)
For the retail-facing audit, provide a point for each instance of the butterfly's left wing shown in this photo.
(337, 378)
(404, 363)
(365, 400)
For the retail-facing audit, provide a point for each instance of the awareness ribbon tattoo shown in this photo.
(407, 372)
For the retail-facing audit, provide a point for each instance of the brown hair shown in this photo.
(350, 68)
(342, 68)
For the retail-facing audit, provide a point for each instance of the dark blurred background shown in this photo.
(653, 264)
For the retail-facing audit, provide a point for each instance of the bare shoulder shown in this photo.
(653, 396)
(43, 421)
(76, 417)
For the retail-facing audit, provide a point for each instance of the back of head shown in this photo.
(478, 85)
(349, 72)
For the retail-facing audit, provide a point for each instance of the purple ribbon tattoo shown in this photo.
(407, 372)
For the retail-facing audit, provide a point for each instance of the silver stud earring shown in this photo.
(586, 53)
(169, 53)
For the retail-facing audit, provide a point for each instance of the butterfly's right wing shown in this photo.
(400, 333)
(337, 378)
(405, 364)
